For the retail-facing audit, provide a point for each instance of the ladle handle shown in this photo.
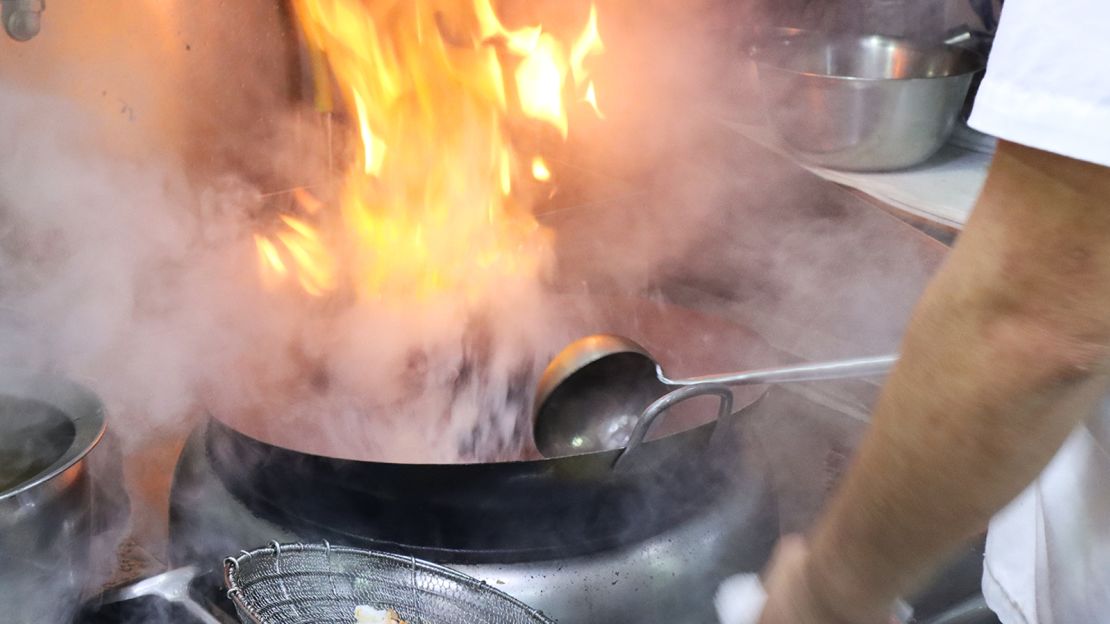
(669, 400)
(814, 371)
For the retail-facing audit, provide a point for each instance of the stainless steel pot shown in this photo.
(867, 103)
(47, 427)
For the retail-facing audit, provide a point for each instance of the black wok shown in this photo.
(474, 513)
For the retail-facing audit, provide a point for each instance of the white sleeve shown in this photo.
(1048, 78)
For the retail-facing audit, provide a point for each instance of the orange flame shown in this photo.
(587, 44)
(373, 149)
(540, 170)
(539, 80)
(432, 200)
(591, 99)
(270, 265)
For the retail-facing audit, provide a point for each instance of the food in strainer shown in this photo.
(365, 614)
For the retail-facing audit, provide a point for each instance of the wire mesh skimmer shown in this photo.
(320, 583)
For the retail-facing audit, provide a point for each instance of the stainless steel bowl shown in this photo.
(47, 427)
(869, 103)
(758, 37)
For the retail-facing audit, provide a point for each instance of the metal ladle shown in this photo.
(593, 393)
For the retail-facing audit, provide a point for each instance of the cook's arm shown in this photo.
(1006, 353)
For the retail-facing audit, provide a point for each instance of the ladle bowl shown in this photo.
(592, 394)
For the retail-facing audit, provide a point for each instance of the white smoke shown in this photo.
(90, 240)
(138, 143)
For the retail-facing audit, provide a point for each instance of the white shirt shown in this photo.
(1048, 78)
(1048, 86)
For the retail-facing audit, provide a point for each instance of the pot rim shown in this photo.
(975, 62)
(79, 404)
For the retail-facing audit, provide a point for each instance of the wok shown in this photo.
(684, 340)
(476, 513)
(510, 510)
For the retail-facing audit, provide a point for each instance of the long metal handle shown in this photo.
(814, 371)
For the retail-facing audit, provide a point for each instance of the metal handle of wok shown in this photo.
(669, 400)
(813, 371)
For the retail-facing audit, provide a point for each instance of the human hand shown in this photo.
(791, 598)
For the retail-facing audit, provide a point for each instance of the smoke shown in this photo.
(112, 273)
(139, 162)
(121, 255)
(141, 143)
(107, 279)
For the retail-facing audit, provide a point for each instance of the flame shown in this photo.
(540, 170)
(505, 172)
(431, 201)
(315, 266)
(591, 99)
(587, 44)
(373, 149)
(270, 264)
(307, 200)
(539, 81)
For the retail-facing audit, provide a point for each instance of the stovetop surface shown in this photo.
(135, 563)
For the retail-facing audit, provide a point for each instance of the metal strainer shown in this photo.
(320, 583)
